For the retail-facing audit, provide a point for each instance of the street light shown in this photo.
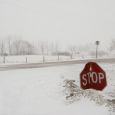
(97, 44)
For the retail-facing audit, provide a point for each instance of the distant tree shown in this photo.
(21, 47)
(52, 48)
(73, 50)
(38, 47)
(47, 45)
(9, 42)
(112, 46)
(43, 51)
(26, 48)
(3, 50)
(57, 50)
(15, 47)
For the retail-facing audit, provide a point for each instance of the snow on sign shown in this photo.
(93, 77)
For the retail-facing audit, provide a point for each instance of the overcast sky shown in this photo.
(68, 21)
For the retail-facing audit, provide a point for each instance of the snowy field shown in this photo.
(40, 92)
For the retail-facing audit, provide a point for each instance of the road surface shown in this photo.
(49, 64)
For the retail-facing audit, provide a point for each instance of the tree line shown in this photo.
(23, 47)
(15, 47)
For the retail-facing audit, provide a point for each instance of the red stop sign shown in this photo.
(93, 77)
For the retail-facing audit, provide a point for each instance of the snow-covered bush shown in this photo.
(74, 93)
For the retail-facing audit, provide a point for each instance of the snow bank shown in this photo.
(39, 92)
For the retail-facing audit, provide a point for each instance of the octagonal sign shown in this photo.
(93, 77)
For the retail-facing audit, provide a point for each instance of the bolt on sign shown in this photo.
(93, 77)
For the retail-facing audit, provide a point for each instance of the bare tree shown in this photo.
(22, 47)
(52, 47)
(112, 45)
(47, 48)
(9, 42)
(3, 50)
(57, 50)
(43, 51)
(38, 47)
(26, 48)
(72, 50)
(15, 47)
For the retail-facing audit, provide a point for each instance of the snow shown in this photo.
(39, 92)
(20, 59)
(31, 59)
(109, 91)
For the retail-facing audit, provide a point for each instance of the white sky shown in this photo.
(68, 21)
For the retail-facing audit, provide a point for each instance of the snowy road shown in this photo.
(48, 64)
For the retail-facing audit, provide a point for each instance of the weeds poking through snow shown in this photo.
(74, 93)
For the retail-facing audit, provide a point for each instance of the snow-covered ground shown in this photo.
(40, 92)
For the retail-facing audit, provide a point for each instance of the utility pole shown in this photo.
(97, 44)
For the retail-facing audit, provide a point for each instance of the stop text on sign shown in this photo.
(92, 77)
